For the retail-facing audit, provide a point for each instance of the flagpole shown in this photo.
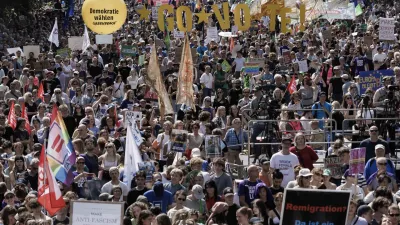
(44, 168)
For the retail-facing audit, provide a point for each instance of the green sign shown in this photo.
(127, 50)
(64, 52)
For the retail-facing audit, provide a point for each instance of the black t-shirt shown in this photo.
(235, 95)
(92, 163)
(33, 180)
(231, 216)
(338, 118)
(133, 195)
(31, 108)
(337, 84)
(124, 71)
(275, 191)
(70, 123)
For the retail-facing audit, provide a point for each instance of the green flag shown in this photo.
(167, 40)
(359, 10)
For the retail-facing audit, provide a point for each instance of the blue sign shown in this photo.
(373, 79)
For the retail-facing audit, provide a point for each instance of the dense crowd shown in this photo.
(280, 123)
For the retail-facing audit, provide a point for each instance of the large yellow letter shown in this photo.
(273, 8)
(284, 20)
(302, 16)
(223, 22)
(246, 14)
(161, 21)
(188, 18)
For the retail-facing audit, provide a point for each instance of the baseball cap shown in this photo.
(197, 191)
(228, 191)
(305, 172)
(105, 197)
(158, 189)
(9, 193)
(345, 76)
(327, 172)
(264, 161)
(378, 146)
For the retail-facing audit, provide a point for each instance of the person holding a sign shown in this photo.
(373, 183)
(372, 166)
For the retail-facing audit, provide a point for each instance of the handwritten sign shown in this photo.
(334, 164)
(75, 43)
(212, 33)
(96, 213)
(386, 29)
(104, 39)
(303, 66)
(178, 34)
(234, 30)
(357, 160)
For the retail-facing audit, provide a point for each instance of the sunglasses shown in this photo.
(373, 130)
(182, 199)
(383, 164)
(307, 178)
(9, 197)
(394, 215)
(81, 163)
(317, 174)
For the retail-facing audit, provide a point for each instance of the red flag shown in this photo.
(50, 196)
(54, 112)
(12, 118)
(25, 116)
(40, 92)
(292, 85)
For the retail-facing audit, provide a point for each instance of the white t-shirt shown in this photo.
(379, 57)
(285, 164)
(239, 64)
(164, 141)
(354, 189)
(107, 187)
(171, 213)
(207, 80)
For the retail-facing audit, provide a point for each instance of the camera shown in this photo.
(394, 88)
(365, 99)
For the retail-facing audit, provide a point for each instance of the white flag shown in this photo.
(86, 40)
(132, 155)
(54, 34)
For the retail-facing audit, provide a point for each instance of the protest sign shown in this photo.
(180, 140)
(386, 29)
(32, 48)
(141, 60)
(75, 43)
(251, 68)
(178, 34)
(357, 160)
(234, 30)
(64, 52)
(226, 66)
(129, 51)
(94, 188)
(286, 55)
(212, 34)
(373, 79)
(15, 50)
(96, 213)
(334, 165)
(148, 168)
(178, 54)
(195, 56)
(104, 39)
(313, 206)
(212, 146)
(303, 66)
(154, 12)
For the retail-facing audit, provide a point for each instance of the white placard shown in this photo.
(14, 51)
(386, 29)
(303, 67)
(96, 213)
(154, 12)
(178, 34)
(32, 48)
(75, 43)
(212, 33)
(234, 30)
(104, 39)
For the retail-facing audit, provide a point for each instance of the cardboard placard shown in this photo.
(96, 213)
(75, 43)
(178, 54)
(32, 48)
(386, 29)
(357, 160)
(178, 34)
(334, 165)
(368, 40)
(212, 146)
(303, 66)
(104, 39)
(327, 35)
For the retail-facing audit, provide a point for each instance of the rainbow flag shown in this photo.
(60, 153)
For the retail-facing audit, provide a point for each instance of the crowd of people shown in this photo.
(94, 89)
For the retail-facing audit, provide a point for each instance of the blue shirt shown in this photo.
(235, 140)
(163, 202)
(319, 114)
(370, 168)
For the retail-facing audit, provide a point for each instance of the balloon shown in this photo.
(104, 16)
